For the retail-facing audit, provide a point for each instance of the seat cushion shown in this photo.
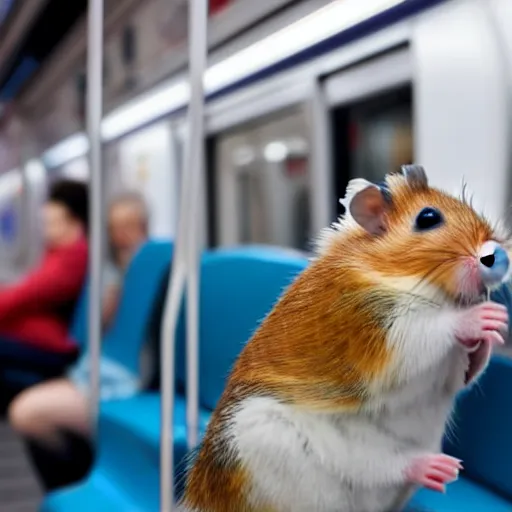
(141, 415)
(98, 493)
(130, 440)
(464, 495)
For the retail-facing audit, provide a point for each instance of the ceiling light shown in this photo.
(312, 29)
(66, 150)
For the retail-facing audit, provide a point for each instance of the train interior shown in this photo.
(289, 120)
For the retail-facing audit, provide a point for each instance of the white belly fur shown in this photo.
(296, 458)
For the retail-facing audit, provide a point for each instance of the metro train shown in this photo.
(351, 89)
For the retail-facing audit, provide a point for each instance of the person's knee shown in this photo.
(17, 414)
(23, 415)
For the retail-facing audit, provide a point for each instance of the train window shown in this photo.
(372, 137)
(261, 183)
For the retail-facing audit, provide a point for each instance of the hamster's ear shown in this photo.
(415, 176)
(367, 205)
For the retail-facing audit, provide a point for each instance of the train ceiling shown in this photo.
(36, 40)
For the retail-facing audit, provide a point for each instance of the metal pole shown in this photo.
(198, 26)
(167, 341)
(191, 176)
(94, 113)
(323, 213)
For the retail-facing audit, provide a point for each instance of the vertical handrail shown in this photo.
(94, 113)
(320, 164)
(185, 262)
(198, 26)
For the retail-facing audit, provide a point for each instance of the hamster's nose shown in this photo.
(493, 262)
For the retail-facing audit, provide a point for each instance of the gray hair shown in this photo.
(135, 199)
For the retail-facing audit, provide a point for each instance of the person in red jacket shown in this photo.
(36, 311)
(52, 418)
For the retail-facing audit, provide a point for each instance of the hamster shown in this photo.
(339, 401)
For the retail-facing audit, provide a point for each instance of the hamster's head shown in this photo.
(418, 239)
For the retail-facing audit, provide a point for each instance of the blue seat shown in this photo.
(464, 495)
(98, 493)
(135, 423)
(238, 288)
(142, 287)
(482, 438)
(79, 328)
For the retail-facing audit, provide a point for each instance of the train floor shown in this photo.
(19, 490)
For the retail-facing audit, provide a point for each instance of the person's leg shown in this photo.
(16, 353)
(54, 420)
(42, 412)
(22, 365)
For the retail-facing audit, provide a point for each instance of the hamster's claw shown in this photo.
(433, 471)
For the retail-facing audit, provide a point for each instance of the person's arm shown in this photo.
(110, 303)
(111, 293)
(57, 280)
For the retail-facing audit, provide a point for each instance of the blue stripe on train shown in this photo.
(382, 20)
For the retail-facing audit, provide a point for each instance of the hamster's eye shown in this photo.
(428, 218)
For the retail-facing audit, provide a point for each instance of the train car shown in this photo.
(287, 128)
(301, 97)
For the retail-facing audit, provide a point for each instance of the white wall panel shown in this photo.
(460, 103)
(146, 163)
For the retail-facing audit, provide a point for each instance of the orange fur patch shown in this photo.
(324, 343)
(214, 488)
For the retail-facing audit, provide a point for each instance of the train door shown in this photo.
(262, 182)
(371, 115)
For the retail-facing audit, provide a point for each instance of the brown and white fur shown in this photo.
(339, 401)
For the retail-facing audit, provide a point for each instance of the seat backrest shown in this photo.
(482, 432)
(141, 290)
(238, 289)
(153, 348)
(78, 330)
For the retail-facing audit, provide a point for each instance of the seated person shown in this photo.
(53, 417)
(128, 228)
(35, 312)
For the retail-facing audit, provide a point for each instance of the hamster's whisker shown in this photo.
(464, 194)
(462, 249)
(446, 252)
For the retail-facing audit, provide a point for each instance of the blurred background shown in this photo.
(302, 96)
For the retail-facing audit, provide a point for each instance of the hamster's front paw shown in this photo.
(433, 471)
(485, 322)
